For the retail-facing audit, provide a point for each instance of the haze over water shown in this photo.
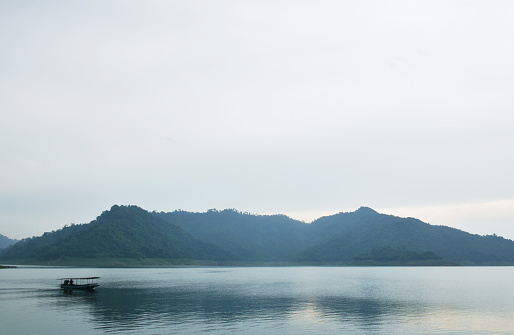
(282, 300)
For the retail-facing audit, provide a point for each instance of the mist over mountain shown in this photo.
(5, 241)
(246, 236)
(224, 236)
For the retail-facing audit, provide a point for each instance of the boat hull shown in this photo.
(79, 287)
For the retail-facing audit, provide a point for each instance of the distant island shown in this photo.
(132, 236)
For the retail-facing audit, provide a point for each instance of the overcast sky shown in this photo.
(304, 108)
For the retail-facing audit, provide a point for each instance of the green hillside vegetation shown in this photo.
(124, 232)
(247, 237)
(365, 229)
(399, 256)
(131, 236)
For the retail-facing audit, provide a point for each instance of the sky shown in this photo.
(303, 108)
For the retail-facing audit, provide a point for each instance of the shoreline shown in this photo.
(184, 263)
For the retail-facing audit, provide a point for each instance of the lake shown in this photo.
(261, 300)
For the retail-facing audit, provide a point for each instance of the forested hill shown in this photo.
(5, 241)
(246, 236)
(122, 232)
(232, 237)
(338, 238)
(344, 236)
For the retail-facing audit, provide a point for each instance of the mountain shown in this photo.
(5, 241)
(345, 235)
(248, 237)
(121, 232)
(360, 237)
(339, 238)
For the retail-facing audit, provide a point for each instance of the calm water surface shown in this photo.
(283, 300)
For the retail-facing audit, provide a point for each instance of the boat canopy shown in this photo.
(78, 278)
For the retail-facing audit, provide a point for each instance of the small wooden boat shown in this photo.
(87, 283)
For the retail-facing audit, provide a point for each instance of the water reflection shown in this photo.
(256, 301)
(122, 308)
(80, 293)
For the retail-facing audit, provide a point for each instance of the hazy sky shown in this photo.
(305, 108)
